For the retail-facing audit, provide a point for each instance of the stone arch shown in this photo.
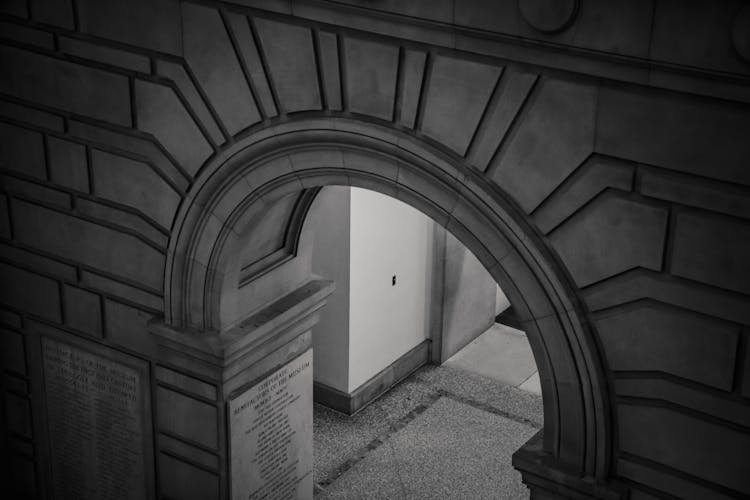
(313, 152)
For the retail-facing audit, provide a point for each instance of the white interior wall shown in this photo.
(387, 238)
(469, 298)
(362, 239)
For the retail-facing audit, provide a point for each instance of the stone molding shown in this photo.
(228, 356)
(625, 68)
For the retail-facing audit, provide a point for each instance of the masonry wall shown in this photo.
(623, 139)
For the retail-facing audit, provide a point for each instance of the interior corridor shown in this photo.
(444, 432)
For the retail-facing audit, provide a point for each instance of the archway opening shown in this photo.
(409, 365)
(232, 194)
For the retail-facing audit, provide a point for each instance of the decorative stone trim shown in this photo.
(235, 357)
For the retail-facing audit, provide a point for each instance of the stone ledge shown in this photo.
(351, 403)
(224, 355)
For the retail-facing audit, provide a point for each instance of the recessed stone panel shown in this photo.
(134, 184)
(554, 135)
(514, 88)
(65, 85)
(290, 57)
(4, 217)
(708, 450)
(693, 396)
(188, 453)
(40, 263)
(18, 414)
(248, 51)
(656, 337)
(35, 191)
(201, 427)
(14, 7)
(696, 34)
(371, 71)
(27, 35)
(57, 12)
(270, 424)
(123, 217)
(186, 383)
(161, 113)
(31, 115)
(9, 318)
(609, 236)
(614, 26)
(457, 92)
(674, 485)
(22, 150)
(97, 405)
(86, 242)
(127, 326)
(17, 385)
(135, 144)
(412, 71)
(14, 351)
(328, 46)
(138, 296)
(83, 310)
(178, 75)
(211, 55)
(145, 23)
(67, 164)
(667, 129)
(641, 283)
(23, 470)
(594, 176)
(695, 191)
(106, 55)
(712, 249)
(180, 479)
(29, 292)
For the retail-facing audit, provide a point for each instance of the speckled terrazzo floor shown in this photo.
(441, 433)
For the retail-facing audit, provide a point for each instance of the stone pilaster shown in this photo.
(236, 404)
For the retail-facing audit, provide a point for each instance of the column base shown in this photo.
(234, 409)
(546, 480)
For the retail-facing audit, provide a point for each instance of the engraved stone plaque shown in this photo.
(95, 409)
(271, 435)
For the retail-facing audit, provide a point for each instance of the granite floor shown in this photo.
(501, 353)
(444, 432)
